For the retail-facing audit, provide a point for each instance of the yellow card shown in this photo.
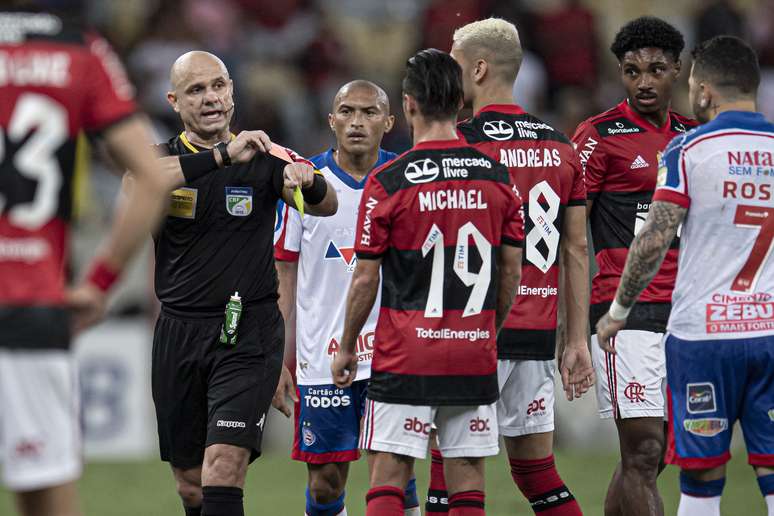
(298, 197)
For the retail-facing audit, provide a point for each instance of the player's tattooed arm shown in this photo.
(648, 250)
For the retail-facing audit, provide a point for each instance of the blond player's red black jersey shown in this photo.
(619, 151)
(545, 169)
(437, 216)
(56, 80)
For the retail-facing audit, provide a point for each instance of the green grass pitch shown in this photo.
(275, 486)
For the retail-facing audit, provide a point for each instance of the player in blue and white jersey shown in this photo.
(718, 181)
(315, 259)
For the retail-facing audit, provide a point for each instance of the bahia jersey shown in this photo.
(325, 250)
(723, 172)
(545, 169)
(619, 152)
(57, 80)
(437, 216)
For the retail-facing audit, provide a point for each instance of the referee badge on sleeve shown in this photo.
(182, 203)
(239, 200)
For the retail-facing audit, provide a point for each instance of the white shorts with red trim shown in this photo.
(526, 404)
(463, 431)
(40, 437)
(632, 382)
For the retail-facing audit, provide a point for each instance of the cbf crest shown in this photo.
(239, 200)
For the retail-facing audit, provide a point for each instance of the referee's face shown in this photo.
(204, 98)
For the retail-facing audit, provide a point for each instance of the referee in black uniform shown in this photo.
(211, 398)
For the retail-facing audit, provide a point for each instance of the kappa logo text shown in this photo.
(230, 424)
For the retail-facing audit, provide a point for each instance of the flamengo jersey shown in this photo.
(325, 250)
(545, 170)
(619, 152)
(437, 216)
(723, 172)
(55, 82)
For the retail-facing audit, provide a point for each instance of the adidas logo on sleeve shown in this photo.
(639, 162)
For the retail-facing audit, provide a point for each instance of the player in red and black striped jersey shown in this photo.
(619, 150)
(544, 168)
(57, 80)
(444, 224)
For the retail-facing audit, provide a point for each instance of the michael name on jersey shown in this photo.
(458, 199)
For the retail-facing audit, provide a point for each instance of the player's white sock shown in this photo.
(770, 504)
(343, 512)
(695, 506)
(414, 511)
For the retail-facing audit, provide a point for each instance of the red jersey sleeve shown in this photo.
(513, 222)
(592, 159)
(111, 95)
(373, 221)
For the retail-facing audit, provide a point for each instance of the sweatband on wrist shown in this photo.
(197, 164)
(102, 276)
(316, 193)
(222, 148)
(618, 312)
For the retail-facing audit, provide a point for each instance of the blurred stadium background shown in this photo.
(287, 59)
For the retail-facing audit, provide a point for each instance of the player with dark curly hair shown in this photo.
(620, 150)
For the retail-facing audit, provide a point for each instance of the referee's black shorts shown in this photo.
(208, 393)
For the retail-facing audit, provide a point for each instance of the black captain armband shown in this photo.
(316, 193)
(197, 164)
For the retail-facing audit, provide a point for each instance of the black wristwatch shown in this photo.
(223, 150)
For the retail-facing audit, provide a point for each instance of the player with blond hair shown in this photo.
(543, 167)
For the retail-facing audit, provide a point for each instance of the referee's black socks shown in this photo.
(222, 501)
(192, 511)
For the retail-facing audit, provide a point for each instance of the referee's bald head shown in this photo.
(190, 61)
(361, 84)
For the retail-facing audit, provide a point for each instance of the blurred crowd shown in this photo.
(288, 58)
